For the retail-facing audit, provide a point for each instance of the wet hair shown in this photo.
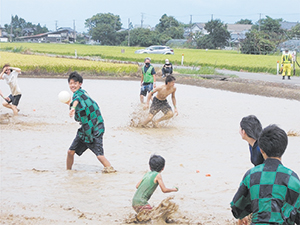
(157, 163)
(147, 58)
(273, 141)
(252, 126)
(169, 78)
(76, 77)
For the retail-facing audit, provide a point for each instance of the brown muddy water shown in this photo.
(205, 155)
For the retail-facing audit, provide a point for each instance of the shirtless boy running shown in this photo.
(160, 102)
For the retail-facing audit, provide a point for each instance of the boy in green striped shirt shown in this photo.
(90, 134)
(270, 191)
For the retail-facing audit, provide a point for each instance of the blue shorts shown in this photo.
(146, 87)
(79, 146)
(14, 99)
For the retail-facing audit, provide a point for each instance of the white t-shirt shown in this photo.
(11, 80)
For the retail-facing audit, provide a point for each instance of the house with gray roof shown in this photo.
(238, 31)
(62, 34)
(287, 25)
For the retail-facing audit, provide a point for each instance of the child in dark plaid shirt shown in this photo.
(90, 134)
(250, 129)
(270, 190)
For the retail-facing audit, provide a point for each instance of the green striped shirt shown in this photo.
(88, 114)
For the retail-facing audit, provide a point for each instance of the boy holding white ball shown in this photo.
(90, 134)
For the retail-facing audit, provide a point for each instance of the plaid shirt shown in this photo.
(271, 192)
(88, 114)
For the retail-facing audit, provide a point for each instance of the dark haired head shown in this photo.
(251, 126)
(5, 65)
(273, 141)
(76, 77)
(169, 78)
(157, 163)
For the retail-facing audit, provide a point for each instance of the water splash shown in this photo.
(165, 212)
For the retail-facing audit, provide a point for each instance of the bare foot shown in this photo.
(155, 124)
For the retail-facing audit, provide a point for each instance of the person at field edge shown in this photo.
(286, 64)
(250, 129)
(148, 79)
(270, 191)
(167, 68)
(148, 184)
(10, 75)
(90, 134)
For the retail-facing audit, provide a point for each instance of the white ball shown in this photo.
(64, 96)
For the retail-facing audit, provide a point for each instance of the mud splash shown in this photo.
(140, 114)
(166, 212)
(293, 133)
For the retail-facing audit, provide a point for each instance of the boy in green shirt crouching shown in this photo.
(149, 183)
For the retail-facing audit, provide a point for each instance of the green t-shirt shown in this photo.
(145, 190)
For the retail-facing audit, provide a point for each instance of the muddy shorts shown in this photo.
(14, 99)
(159, 105)
(140, 208)
(79, 146)
(146, 87)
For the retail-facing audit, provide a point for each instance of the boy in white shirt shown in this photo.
(10, 75)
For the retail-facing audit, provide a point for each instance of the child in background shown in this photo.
(10, 75)
(250, 129)
(149, 183)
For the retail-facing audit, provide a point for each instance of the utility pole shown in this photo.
(212, 17)
(56, 25)
(191, 22)
(74, 34)
(90, 31)
(115, 23)
(11, 28)
(259, 22)
(128, 32)
(142, 20)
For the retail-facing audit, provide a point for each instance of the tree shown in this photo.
(218, 35)
(265, 35)
(244, 21)
(268, 25)
(169, 26)
(257, 43)
(142, 37)
(103, 27)
(295, 31)
(22, 28)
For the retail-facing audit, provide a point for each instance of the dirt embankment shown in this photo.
(269, 89)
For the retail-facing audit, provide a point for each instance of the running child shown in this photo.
(160, 102)
(10, 75)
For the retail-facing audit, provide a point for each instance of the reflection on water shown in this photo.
(202, 139)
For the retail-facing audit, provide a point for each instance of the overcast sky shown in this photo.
(64, 12)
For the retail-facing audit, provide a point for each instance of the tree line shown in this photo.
(106, 28)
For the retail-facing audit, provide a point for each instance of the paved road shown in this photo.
(251, 76)
(262, 77)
